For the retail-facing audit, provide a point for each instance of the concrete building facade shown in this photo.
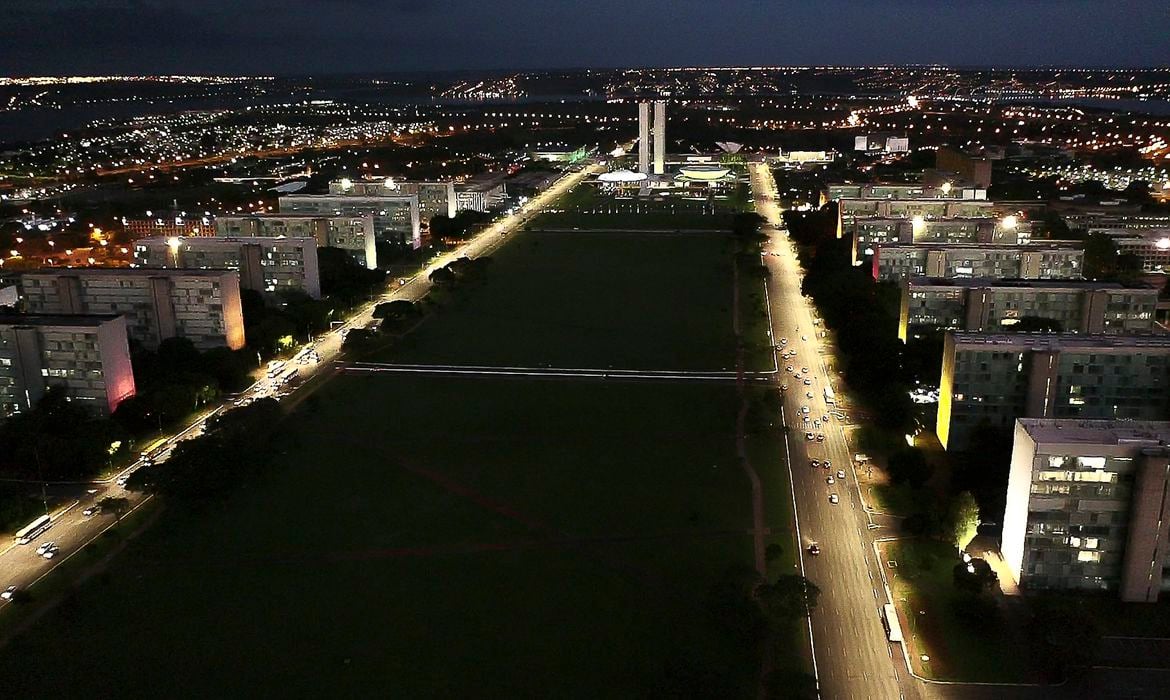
(900, 262)
(202, 306)
(265, 265)
(397, 217)
(982, 305)
(870, 232)
(1088, 507)
(972, 170)
(992, 379)
(88, 356)
(353, 234)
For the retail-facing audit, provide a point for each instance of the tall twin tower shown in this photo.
(644, 128)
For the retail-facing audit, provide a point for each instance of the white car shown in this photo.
(809, 436)
(815, 463)
(788, 368)
(840, 473)
(8, 593)
(91, 511)
(804, 409)
(808, 394)
(830, 480)
(45, 547)
(784, 341)
(807, 381)
(51, 552)
(804, 370)
(804, 338)
(833, 499)
(783, 387)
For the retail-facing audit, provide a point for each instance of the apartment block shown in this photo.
(87, 355)
(202, 306)
(984, 305)
(397, 217)
(850, 209)
(266, 265)
(1088, 507)
(1150, 245)
(353, 234)
(973, 170)
(870, 232)
(168, 224)
(900, 262)
(992, 379)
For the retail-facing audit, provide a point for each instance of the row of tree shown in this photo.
(862, 313)
(232, 449)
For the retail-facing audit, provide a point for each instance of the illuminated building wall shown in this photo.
(659, 137)
(644, 137)
(397, 218)
(870, 232)
(266, 265)
(983, 305)
(202, 306)
(900, 262)
(168, 225)
(1087, 507)
(992, 379)
(89, 356)
(353, 234)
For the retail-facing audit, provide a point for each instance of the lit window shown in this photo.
(1086, 556)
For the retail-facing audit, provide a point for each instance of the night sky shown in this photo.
(42, 37)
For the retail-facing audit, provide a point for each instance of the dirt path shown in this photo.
(758, 527)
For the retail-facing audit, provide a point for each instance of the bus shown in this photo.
(830, 399)
(33, 530)
(890, 619)
(154, 449)
(286, 376)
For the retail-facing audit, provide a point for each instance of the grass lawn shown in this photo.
(593, 300)
(926, 597)
(464, 537)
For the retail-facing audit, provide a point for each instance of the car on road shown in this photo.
(828, 464)
(820, 437)
(809, 436)
(815, 462)
(804, 370)
(44, 548)
(8, 593)
(814, 549)
(833, 499)
(789, 368)
(783, 387)
(840, 473)
(804, 409)
(784, 341)
(804, 338)
(808, 394)
(830, 480)
(51, 552)
(807, 381)
(92, 511)
(825, 419)
(121, 481)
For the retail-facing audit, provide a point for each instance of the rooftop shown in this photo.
(980, 282)
(1096, 432)
(75, 320)
(1063, 341)
(214, 241)
(122, 272)
(1033, 246)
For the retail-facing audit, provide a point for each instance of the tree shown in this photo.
(116, 505)
(1100, 256)
(773, 552)
(790, 597)
(442, 277)
(975, 576)
(909, 466)
(963, 520)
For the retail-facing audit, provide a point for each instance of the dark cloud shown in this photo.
(314, 36)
